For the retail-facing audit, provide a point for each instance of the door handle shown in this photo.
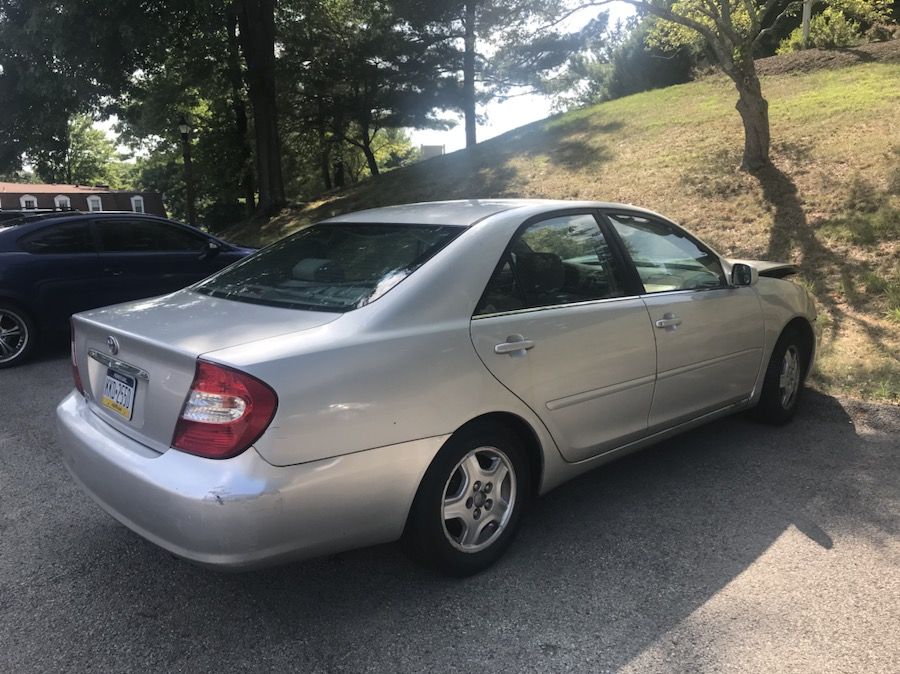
(668, 321)
(114, 271)
(515, 345)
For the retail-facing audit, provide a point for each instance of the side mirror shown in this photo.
(210, 249)
(743, 275)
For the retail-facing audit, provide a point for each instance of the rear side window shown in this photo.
(146, 236)
(561, 260)
(331, 267)
(69, 237)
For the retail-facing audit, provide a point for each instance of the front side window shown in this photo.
(331, 267)
(146, 236)
(561, 260)
(665, 257)
(70, 237)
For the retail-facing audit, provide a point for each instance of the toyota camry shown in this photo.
(419, 372)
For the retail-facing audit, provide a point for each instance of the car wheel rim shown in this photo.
(789, 380)
(479, 499)
(13, 335)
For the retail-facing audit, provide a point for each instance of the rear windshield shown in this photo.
(331, 267)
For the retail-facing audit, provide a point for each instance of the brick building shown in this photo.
(26, 196)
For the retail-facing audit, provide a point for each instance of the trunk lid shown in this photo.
(137, 360)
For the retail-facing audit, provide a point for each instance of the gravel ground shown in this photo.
(735, 547)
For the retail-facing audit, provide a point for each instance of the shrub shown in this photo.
(881, 32)
(829, 30)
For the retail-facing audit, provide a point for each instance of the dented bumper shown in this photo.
(242, 512)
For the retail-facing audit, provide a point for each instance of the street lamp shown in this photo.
(185, 130)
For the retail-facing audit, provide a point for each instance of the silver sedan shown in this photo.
(419, 372)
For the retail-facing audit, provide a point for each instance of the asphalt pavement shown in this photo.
(735, 547)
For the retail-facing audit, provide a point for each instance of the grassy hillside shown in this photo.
(832, 202)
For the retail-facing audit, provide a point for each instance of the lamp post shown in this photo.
(185, 130)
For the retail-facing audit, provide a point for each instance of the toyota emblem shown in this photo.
(113, 345)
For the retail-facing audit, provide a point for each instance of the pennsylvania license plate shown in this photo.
(118, 393)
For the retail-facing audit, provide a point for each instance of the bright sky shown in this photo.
(515, 112)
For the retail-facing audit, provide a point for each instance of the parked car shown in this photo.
(56, 264)
(6, 215)
(421, 371)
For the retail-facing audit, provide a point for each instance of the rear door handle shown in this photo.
(668, 321)
(114, 271)
(515, 345)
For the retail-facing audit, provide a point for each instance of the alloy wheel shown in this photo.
(13, 335)
(789, 380)
(479, 499)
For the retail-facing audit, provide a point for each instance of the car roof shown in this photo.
(467, 212)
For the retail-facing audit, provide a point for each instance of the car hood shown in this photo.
(770, 269)
(193, 323)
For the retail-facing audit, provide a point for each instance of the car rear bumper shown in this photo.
(243, 512)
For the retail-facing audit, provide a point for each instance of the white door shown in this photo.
(709, 335)
(562, 327)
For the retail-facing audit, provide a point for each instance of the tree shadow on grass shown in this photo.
(791, 231)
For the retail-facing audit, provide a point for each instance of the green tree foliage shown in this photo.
(489, 48)
(616, 63)
(353, 71)
(319, 85)
(827, 30)
(82, 156)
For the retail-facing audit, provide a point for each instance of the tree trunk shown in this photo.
(469, 75)
(370, 156)
(241, 127)
(257, 24)
(339, 172)
(324, 146)
(754, 111)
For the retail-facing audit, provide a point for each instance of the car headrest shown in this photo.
(317, 269)
(541, 272)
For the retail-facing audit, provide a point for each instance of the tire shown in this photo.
(18, 336)
(458, 523)
(783, 383)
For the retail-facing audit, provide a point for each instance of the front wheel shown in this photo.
(470, 502)
(783, 383)
(17, 336)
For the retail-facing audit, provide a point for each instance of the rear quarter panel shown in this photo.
(402, 368)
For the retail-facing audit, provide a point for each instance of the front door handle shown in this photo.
(515, 345)
(114, 271)
(668, 321)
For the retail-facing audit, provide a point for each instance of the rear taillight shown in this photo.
(225, 412)
(76, 376)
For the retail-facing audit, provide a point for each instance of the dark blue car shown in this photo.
(54, 265)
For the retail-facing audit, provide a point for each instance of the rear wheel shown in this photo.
(783, 383)
(470, 502)
(17, 336)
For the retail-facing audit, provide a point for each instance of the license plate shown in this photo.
(118, 393)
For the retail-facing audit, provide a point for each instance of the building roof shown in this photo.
(44, 188)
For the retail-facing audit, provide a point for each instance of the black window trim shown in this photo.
(633, 287)
(126, 216)
(607, 212)
(22, 240)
